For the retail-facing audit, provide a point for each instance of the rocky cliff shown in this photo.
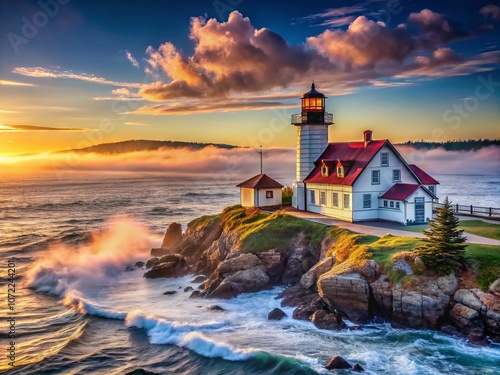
(331, 273)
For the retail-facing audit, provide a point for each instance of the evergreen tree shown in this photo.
(443, 248)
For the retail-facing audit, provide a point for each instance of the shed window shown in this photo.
(313, 197)
(269, 194)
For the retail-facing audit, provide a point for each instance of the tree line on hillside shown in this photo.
(456, 145)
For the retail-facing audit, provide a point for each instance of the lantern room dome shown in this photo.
(313, 93)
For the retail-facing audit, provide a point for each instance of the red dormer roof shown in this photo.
(261, 181)
(354, 152)
(399, 192)
(422, 176)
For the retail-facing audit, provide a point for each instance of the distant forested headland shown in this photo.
(467, 145)
(146, 145)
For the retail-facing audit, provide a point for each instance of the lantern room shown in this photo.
(313, 109)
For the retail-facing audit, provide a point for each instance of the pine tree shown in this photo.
(443, 249)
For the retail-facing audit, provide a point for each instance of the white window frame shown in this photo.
(376, 172)
(385, 203)
(382, 156)
(335, 199)
(367, 201)
(269, 194)
(397, 205)
(322, 198)
(348, 206)
(394, 179)
(313, 197)
(432, 189)
(391, 204)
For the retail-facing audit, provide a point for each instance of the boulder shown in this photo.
(151, 262)
(477, 337)
(296, 295)
(194, 294)
(173, 236)
(495, 288)
(381, 290)
(172, 265)
(276, 314)
(337, 363)
(199, 279)
(448, 284)
(216, 308)
(238, 262)
(357, 367)
(310, 277)
(465, 318)
(468, 297)
(140, 264)
(141, 371)
(244, 281)
(274, 261)
(169, 293)
(348, 292)
(305, 310)
(129, 268)
(188, 289)
(323, 319)
(370, 270)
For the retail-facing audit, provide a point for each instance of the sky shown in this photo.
(74, 73)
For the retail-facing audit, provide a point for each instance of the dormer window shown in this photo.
(340, 171)
(324, 170)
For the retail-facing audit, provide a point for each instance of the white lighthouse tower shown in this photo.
(312, 138)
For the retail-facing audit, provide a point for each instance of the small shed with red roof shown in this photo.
(260, 191)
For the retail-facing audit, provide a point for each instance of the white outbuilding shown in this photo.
(260, 191)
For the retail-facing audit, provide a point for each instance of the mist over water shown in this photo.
(79, 311)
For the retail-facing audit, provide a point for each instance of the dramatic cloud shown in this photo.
(26, 128)
(229, 57)
(132, 59)
(436, 29)
(491, 10)
(39, 72)
(14, 83)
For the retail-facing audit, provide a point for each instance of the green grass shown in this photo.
(481, 228)
(486, 259)
(260, 231)
(204, 220)
(477, 227)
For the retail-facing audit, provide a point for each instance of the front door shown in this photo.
(419, 210)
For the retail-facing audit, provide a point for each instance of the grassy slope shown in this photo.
(477, 227)
(261, 231)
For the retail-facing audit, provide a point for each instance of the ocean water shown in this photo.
(77, 310)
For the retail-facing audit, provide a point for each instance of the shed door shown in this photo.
(419, 210)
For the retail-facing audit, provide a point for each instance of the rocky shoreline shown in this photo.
(322, 286)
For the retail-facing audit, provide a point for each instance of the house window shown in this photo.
(384, 159)
(385, 203)
(396, 175)
(432, 189)
(367, 201)
(335, 199)
(324, 171)
(346, 201)
(340, 171)
(313, 197)
(391, 204)
(397, 205)
(376, 177)
(269, 194)
(322, 198)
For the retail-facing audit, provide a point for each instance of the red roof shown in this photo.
(354, 152)
(399, 192)
(422, 176)
(261, 181)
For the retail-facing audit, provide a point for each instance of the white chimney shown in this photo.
(367, 136)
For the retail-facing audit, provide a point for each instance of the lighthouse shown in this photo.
(312, 139)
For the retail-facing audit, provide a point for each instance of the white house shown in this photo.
(260, 191)
(355, 181)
